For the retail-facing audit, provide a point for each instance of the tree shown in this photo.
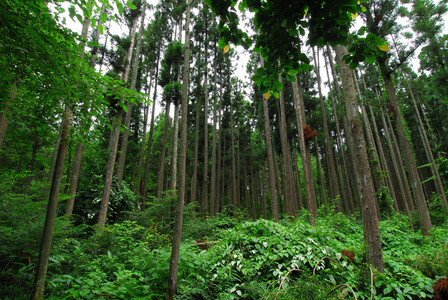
(369, 203)
(114, 136)
(174, 260)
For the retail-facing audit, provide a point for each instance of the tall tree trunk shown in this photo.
(141, 156)
(214, 204)
(271, 164)
(205, 199)
(194, 176)
(372, 242)
(44, 250)
(287, 163)
(332, 174)
(400, 173)
(151, 133)
(174, 261)
(438, 181)
(347, 191)
(175, 146)
(233, 174)
(305, 151)
(76, 171)
(160, 174)
(385, 166)
(321, 178)
(113, 141)
(419, 196)
(127, 119)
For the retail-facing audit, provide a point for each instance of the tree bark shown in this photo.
(76, 171)
(347, 192)
(329, 154)
(287, 163)
(305, 152)
(271, 164)
(372, 242)
(174, 261)
(151, 133)
(161, 173)
(127, 119)
(113, 141)
(214, 204)
(44, 250)
(418, 194)
(438, 181)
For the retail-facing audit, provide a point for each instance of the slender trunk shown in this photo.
(271, 164)
(347, 191)
(76, 171)
(298, 186)
(334, 186)
(233, 175)
(113, 142)
(127, 119)
(385, 166)
(174, 261)
(175, 146)
(438, 181)
(143, 141)
(151, 133)
(161, 173)
(321, 178)
(214, 204)
(400, 172)
(44, 250)
(372, 241)
(305, 152)
(205, 199)
(219, 185)
(419, 196)
(194, 176)
(287, 163)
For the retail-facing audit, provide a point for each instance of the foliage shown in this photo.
(242, 260)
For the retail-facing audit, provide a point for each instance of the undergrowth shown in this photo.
(234, 259)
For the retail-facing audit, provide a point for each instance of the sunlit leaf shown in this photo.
(354, 16)
(226, 49)
(384, 47)
(267, 95)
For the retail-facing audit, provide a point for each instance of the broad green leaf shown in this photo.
(120, 7)
(370, 59)
(131, 5)
(103, 17)
(101, 28)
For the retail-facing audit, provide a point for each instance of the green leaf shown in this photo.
(103, 18)
(101, 28)
(370, 59)
(120, 7)
(131, 5)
